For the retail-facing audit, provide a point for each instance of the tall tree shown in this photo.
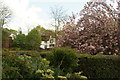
(45, 34)
(34, 39)
(58, 15)
(20, 41)
(5, 14)
(119, 20)
(96, 30)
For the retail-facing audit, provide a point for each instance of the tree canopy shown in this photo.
(95, 32)
(20, 41)
(34, 39)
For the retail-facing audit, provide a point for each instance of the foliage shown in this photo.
(33, 39)
(58, 72)
(20, 41)
(11, 31)
(76, 76)
(16, 66)
(6, 33)
(43, 70)
(63, 58)
(96, 30)
(23, 66)
(17, 49)
(6, 36)
(32, 65)
(45, 33)
(99, 66)
(5, 49)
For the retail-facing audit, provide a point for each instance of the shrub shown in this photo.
(23, 66)
(5, 49)
(63, 58)
(17, 49)
(76, 76)
(44, 70)
(15, 66)
(99, 66)
(44, 73)
(33, 39)
(20, 41)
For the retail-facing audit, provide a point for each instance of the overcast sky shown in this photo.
(30, 13)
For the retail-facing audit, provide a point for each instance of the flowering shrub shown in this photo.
(23, 66)
(17, 65)
(76, 75)
(44, 70)
(44, 73)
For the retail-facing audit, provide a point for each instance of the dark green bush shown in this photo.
(99, 66)
(64, 58)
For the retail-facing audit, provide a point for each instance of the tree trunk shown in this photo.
(119, 24)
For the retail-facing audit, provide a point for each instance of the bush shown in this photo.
(33, 39)
(44, 70)
(15, 66)
(20, 42)
(63, 58)
(23, 66)
(5, 49)
(76, 76)
(99, 66)
(32, 65)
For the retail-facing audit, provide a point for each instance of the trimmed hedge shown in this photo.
(99, 66)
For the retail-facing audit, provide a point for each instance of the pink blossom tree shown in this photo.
(97, 30)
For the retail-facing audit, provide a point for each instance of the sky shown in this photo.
(27, 14)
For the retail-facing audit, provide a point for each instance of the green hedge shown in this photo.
(63, 58)
(99, 66)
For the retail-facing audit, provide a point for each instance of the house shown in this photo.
(48, 44)
(7, 43)
(7, 37)
(12, 36)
